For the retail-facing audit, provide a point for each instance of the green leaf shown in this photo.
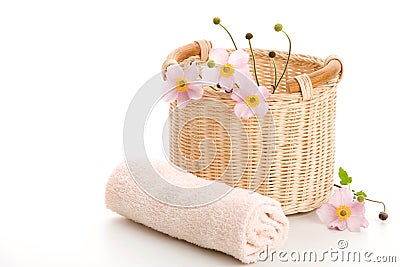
(361, 193)
(345, 179)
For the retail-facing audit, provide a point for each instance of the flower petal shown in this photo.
(338, 224)
(167, 85)
(247, 114)
(245, 71)
(355, 224)
(174, 72)
(243, 92)
(219, 55)
(357, 208)
(170, 96)
(169, 91)
(235, 96)
(243, 111)
(183, 100)
(261, 109)
(226, 83)
(327, 213)
(264, 91)
(239, 58)
(210, 75)
(357, 219)
(244, 81)
(195, 91)
(192, 72)
(341, 196)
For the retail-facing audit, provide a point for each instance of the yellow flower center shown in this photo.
(227, 70)
(181, 84)
(252, 101)
(343, 212)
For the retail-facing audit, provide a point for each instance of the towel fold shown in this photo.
(241, 223)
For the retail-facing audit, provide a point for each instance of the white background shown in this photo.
(69, 69)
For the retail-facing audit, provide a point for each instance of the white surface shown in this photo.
(69, 69)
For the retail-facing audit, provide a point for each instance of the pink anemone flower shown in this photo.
(250, 101)
(181, 85)
(343, 212)
(223, 69)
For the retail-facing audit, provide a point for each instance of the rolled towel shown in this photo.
(241, 223)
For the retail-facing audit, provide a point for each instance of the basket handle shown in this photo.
(198, 48)
(333, 65)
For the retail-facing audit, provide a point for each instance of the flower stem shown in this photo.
(230, 35)
(371, 200)
(376, 201)
(288, 58)
(275, 74)
(212, 87)
(254, 62)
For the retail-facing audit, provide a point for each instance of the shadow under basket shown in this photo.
(288, 154)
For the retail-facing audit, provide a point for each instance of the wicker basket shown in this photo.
(298, 168)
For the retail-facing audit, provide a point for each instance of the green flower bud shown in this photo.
(217, 20)
(360, 198)
(278, 27)
(272, 54)
(211, 63)
(249, 36)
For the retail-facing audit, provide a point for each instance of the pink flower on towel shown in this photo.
(223, 69)
(180, 84)
(343, 212)
(250, 101)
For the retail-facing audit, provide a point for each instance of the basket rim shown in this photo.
(331, 67)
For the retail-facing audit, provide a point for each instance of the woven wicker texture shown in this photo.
(287, 155)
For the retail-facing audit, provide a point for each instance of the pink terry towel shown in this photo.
(241, 223)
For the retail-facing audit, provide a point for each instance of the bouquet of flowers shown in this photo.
(228, 72)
